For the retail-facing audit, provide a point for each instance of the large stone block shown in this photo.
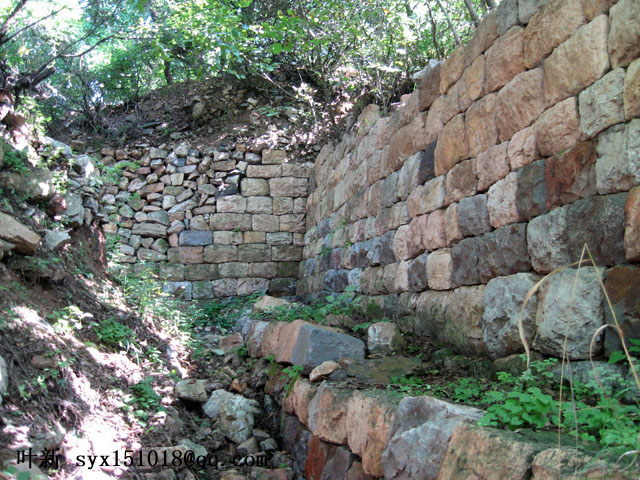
(434, 236)
(380, 251)
(26, 241)
(412, 275)
(490, 454)
(482, 131)
(153, 230)
(405, 245)
(557, 238)
(624, 37)
(473, 216)
(571, 175)
(485, 35)
(462, 328)
(631, 93)
(505, 252)
(501, 202)
(491, 166)
(328, 413)
(523, 148)
(471, 85)
(519, 103)
(220, 253)
(601, 104)
(632, 225)
(465, 256)
(461, 181)
(452, 69)
(558, 128)
(623, 288)
(231, 204)
(526, 9)
(505, 59)
(185, 255)
(419, 436)
(503, 299)
(451, 226)
(231, 221)
(288, 187)
(571, 310)
(507, 16)
(316, 345)
(618, 161)
(452, 146)
(571, 464)
(549, 27)
(369, 418)
(194, 238)
(532, 190)
(429, 87)
(578, 62)
(297, 402)
(440, 270)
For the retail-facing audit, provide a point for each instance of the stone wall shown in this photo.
(216, 222)
(511, 155)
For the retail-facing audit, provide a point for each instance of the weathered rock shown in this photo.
(74, 213)
(322, 371)
(501, 202)
(452, 146)
(461, 181)
(451, 227)
(316, 345)
(36, 185)
(558, 128)
(570, 464)
(429, 87)
(531, 196)
(338, 464)
(369, 418)
(557, 238)
(632, 225)
(25, 240)
(473, 216)
(234, 413)
(192, 390)
(491, 166)
(480, 122)
(384, 338)
(295, 439)
(328, 413)
(194, 238)
(602, 104)
(578, 62)
(503, 300)
(572, 307)
(297, 402)
(434, 235)
(267, 302)
(440, 270)
(505, 59)
(153, 230)
(571, 175)
(623, 288)
(526, 9)
(617, 166)
(519, 103)
(186, 255)
(452, 69)
(317, 455)
(624, 36)
(419, 435)
(631, 91)
(490, 454)
(462, 328)
(405, 244)
(507, 16)
(523, 148)
(549, 27)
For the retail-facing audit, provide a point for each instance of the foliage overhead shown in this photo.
(80, 55)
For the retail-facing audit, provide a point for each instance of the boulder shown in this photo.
(24, 239)
(503, 299)
(37, 185)
(322, 371)
(384, 338)
(316, 345)
(328, 413)
(192, 390)
(419, 436)
(570, 306)
(235, 414)
(267, 302)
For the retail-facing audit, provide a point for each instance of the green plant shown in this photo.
(114, 334)
(146, 398)
(67, 320)
(361, 326)
(15, 160)
(294, 372)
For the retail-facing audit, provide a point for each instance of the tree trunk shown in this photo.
(434, 32)
(168, 76)
(472, 12)
(456, 38)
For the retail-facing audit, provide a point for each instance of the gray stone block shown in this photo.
(195, 238)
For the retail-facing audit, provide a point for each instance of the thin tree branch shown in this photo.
(8, 39)
(456, 38)
(5, 24)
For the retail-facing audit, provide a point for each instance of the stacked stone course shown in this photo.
(512, 154)
(215, 222)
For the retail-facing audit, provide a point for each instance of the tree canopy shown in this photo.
(80, 55)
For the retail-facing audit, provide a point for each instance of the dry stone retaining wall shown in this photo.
(215, 222)
(519, 148)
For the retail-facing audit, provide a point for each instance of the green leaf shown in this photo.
(617, 356)
(276, 48)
